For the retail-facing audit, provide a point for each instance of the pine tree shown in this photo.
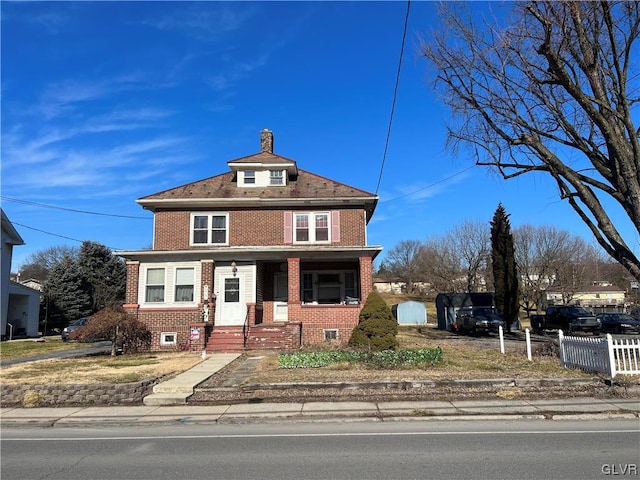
(67, 293)
(505, 273)
(104, 274)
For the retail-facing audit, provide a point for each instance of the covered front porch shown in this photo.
(285, 303)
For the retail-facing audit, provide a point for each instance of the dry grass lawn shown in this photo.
(463, 358)
(99, 369)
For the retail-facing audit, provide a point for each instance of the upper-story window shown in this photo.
(276, 177)
(249, 177)
(210, 229)
(311, 227)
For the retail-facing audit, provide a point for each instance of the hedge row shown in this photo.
(383, 359)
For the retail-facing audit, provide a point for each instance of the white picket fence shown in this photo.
(603, 355)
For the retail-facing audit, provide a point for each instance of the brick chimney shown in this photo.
(266, 141)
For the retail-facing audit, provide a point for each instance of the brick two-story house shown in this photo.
(265, 255)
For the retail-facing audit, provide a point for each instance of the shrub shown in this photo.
(113, 323)
(376, 329)
(383, 359)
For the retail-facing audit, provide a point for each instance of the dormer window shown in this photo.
(249, 177)
(276, 177)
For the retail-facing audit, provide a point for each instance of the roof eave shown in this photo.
(252, 253)
(153, 204)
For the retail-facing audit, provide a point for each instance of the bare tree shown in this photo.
(553, 260)
(471, 243)
(554, 92)
(38, 264)
(405, 262)
(538, 252)
(458, 260)
(442, 266)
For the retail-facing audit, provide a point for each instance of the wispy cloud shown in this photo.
(208, 22)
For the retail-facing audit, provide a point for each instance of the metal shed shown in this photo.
(447, 304)
(410, 313)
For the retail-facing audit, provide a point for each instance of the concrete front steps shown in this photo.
(176, 390)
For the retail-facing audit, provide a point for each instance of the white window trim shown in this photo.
(175, 284)
(164, 342)
(208, 214)
(146, 284)
(327, 330)
(169, 284)
(246, 177)
(312, 227)
(277, 174)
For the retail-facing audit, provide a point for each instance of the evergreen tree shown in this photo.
(505, 274)
(67, 294)
(104, 274)
(376, 329)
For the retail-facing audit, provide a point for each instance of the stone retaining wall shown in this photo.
(68, 395)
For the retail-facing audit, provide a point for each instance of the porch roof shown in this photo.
(276, 253)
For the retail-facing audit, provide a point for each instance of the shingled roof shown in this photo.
(222, 190)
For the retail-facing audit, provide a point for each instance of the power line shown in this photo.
(53, 234)
(395, 95)
(43, 205)
(429, 186)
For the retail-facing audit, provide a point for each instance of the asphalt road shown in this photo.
(328, 450)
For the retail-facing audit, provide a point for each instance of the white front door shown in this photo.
(230, 304)
(280, 297)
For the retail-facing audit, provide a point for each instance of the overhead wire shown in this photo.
(54, 234)
(429, 186)
(395, 94)
(87, 212)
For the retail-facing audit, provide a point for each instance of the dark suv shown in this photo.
(477, 320)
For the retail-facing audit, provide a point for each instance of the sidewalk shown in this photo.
(579, 408)
(167, 405)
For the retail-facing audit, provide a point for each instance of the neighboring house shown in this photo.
(394, 286)
(20, 304)
(600, 296)
(265, 255)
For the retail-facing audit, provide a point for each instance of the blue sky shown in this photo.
(106, 102)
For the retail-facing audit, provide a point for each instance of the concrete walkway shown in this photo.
(466, 410)
(176, 390)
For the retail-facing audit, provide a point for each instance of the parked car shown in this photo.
(73, 326)
(477, 320)
(568, 318)
(618, 323)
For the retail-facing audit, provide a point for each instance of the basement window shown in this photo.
(168, 338)
(330, 334)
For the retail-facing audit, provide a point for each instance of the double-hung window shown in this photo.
(249, 177)
(154, 286)
(184, 284)
(210, 229)
(312, 227)
(276, 177)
